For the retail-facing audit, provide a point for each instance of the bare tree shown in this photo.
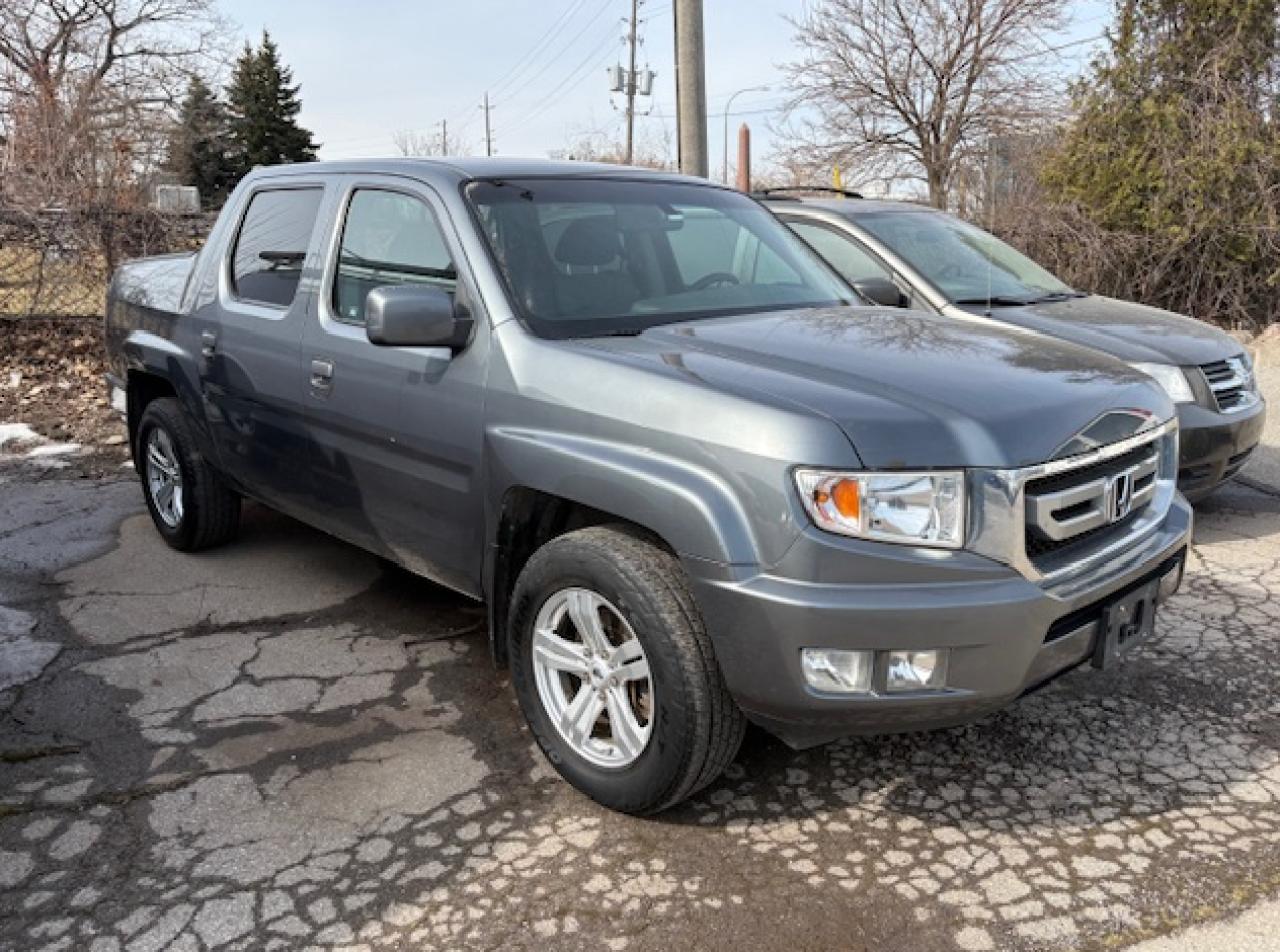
(87, 90)
(652, 149)
(914, 89)
(419, 144)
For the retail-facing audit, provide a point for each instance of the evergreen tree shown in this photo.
(1174, 131)
(264, 106)
(198, 145)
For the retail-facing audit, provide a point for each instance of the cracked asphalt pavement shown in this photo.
(287, 744)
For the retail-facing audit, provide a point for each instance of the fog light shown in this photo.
(916, 671)
(1171, 581)
(841, 672)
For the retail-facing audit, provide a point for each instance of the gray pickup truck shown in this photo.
(641, 420)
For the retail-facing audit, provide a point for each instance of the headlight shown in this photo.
(1171, 378)
(911, 508)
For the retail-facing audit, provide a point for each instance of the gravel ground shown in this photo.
(286, 744)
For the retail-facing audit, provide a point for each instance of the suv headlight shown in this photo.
(926, 508)
(1171, 378)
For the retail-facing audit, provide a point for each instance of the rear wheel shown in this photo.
(189, 503)
(616, 674)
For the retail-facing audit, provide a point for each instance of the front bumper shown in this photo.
(1006, 633)
(1215, 446)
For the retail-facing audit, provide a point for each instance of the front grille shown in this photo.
(1072, 509)
(1231, 383)
(1038, 547)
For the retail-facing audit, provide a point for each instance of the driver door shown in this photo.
(396, 431)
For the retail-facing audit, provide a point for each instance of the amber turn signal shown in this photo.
(847, 497)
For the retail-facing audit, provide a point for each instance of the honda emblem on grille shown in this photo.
(1119, 497)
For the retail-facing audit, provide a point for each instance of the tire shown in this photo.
(207, 513)
(694, 726)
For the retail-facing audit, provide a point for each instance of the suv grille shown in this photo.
(1095, 501)
(1231, 383)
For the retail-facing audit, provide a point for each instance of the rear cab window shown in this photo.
(271, 245)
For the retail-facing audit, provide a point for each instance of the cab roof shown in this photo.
(462, 169)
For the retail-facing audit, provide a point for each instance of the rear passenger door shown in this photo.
(250, 338)
(396, 430)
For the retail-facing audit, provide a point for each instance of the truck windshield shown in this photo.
(593, 257)
(967, 264)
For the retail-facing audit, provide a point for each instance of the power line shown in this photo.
(592, 61)
(528, 82)
(518, 80)
(508, 81)
(533, 51)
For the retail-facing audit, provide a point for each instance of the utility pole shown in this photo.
(488, 131)
(631, 86)
(631, 82)
(444, 136)
(691, 88)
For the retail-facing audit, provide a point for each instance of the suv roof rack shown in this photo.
(783, 190)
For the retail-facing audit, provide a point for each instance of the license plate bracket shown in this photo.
(1126, 622)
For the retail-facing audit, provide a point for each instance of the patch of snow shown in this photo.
(53, 449)
(15, 433)
(46, 462)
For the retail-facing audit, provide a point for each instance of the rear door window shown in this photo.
(388, 238)
(266, 262)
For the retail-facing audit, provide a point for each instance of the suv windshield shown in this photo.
(590, 257)
(967, 264)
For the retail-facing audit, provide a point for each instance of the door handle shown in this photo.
(321, 374)
(208, 344)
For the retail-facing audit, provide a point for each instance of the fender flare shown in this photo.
(693, 510)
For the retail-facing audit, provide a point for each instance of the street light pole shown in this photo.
(724, 175)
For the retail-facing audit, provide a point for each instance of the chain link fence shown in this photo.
(55, 263)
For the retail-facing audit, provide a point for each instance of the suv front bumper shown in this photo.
(1006, 633)
(1215, 446)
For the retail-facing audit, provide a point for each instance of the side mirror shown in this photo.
(880, 291)
(409, 315)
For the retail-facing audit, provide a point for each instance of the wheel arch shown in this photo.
(527, 520)
(141, 389)
(553, 483)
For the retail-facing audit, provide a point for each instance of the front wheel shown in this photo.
(616, 674)
(190, 505)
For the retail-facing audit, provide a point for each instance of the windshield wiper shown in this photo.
(996, 300)
(1057, 296)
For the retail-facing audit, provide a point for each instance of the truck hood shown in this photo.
(1131, 332)
(908, 389)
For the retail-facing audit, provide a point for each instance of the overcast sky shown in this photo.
(369, 69)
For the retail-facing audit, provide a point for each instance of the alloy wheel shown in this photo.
(593, 677)
(164, 477)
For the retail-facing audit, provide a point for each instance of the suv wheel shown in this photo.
(615, 672)
(190, 505)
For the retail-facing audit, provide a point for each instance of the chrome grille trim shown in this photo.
(999, 509)
(1087, 503)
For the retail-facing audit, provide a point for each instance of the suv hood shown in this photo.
(908, 389)
(1123, 329)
